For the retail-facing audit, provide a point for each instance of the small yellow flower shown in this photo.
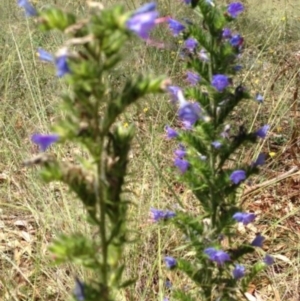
(180, 41)
(283, 19)
(125, 125)
(256, 81)
(146, 110)
(272, 154)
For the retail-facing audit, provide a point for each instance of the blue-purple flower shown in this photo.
(216, 144)
(30, 11)
(180, 152)
(187, 1)
(182, 164)
(146, 8)
(203, 56)
(78, 291)
(218, 256)
(268, 260)
(243, 217)
(170, 262)
(190, 44)
(237, 67)
(171, 133)
(189, 113)
(260, 160)
(220, 82)
(158, 215)
(262, 132)
(238, 176)
(234, 9)
(175, 26)
(61, 63)
(193, 78)
(45, 55)
(225, 133)
(259, 98)
(143, 20)
(226, 33)
(44, 140)
(238, 272)
(258, 240)
(174, 93)
(236, 41)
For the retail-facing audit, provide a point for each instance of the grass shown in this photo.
(33, 213)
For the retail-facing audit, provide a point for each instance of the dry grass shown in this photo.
(33, 213)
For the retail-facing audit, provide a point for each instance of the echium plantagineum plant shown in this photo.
(205, 157)
(93, 106)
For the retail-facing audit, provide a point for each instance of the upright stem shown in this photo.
(102, 208)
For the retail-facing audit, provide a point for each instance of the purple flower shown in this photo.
(30, 11)
(216, 144)
(203, 55)
(175, 26)
(44, 141)
(171, 133)
(225, 133)
(237, 176)
(182, 164)
(234, 9)
(226, 34)
(238, 272)
(168, 284)
(220, 82)
(180, 152)
(259, 98)
(187, 1)
(245, 218)
(174, 91)
(193, 78)
(146, 8)
(170, 262)
(236, 41)
(260, 160)
(79, 290)
(61, 63)
(258, 241)
(218, 256)
(191, 44)
(189, 113)
(238, 68)
(262, 132)
(268, 260)
(143, 20)
(158, 215)
(45, 56)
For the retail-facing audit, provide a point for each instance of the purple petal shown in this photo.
(237, 176)
(142, 23)
(268, 260)
(238, 272)
(171, 133)
(30, 11)
(245, 218)
(258, 241)
(170, 262)
(182, 164)
(44, 141)
(262, 132)
(234, 9)
(176, 27)
(220, 82)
